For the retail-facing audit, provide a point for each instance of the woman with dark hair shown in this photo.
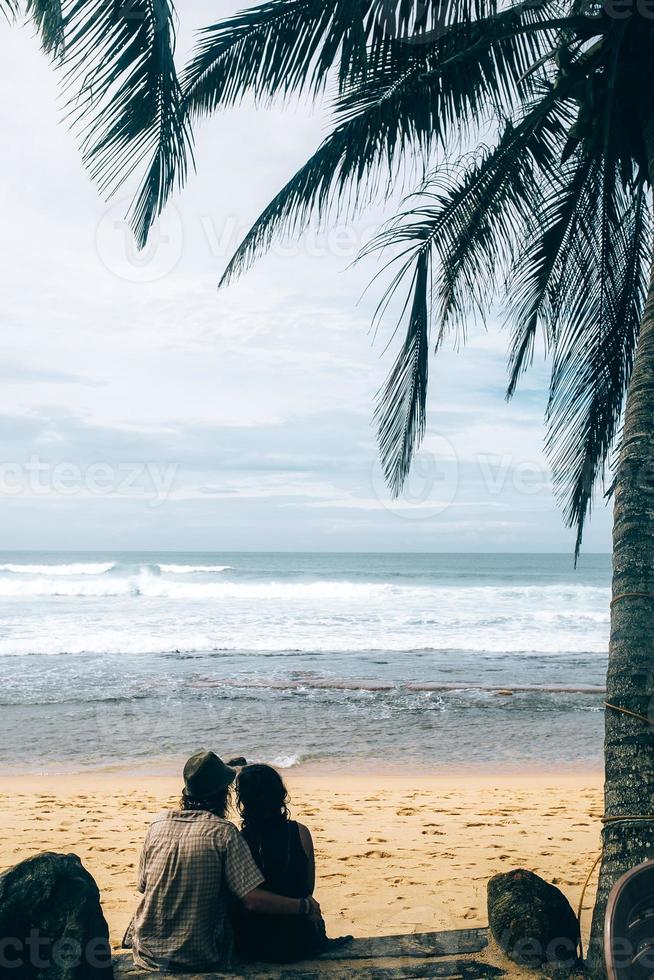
(283, 850)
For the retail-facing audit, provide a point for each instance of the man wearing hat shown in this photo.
(193, 864)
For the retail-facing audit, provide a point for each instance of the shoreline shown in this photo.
(396, 853)
(167, 769)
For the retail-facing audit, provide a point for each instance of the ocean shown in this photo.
(356, 662)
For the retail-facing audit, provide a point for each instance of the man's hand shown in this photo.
(314, 912)
(260, 900)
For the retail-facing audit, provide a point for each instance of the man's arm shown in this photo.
(259, 900)
(244, 880)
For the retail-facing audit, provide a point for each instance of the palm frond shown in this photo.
(125, 99)
(281, 46)
(359, 153)
(275, 48)
(402, 403)
(599, 304)
(466, 223)
(9, 9)
(486, 216)
(414, 99)
(48, 17)
(533, 279)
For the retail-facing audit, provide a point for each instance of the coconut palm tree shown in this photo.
(548, 211)
(122, 94)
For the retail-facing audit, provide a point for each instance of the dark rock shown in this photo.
(51, 922)
(238, 762)
(531, 920)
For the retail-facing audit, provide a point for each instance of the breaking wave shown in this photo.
(77, 568)
(278, 606)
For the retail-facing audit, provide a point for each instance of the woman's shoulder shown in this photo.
(299, 828)
(305, 836)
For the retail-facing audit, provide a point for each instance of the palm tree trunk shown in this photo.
(629, 742)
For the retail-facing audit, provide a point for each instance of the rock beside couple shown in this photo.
(532, 921)
(51, 921)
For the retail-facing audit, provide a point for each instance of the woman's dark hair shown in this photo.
(218, 803)
(262, 798)
(262, 801)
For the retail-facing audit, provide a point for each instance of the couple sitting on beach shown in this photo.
(208, 887)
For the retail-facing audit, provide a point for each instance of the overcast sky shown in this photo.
(142, 408)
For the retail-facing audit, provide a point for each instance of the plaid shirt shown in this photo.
(192, 861)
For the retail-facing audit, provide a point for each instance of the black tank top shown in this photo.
(281, 857)
(279, 938)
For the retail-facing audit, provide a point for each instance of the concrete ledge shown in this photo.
(431, 954)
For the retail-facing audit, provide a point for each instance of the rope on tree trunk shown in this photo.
(648, 721)
(632, 595)
(606, 820)
(626, 711)
(581, 904)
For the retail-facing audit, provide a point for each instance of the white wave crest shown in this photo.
(99, 568)
(77, 568)
(193, 569)
(285, 761)
(148, 585)
(439, 602)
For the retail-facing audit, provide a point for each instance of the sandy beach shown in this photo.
(395, 854)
